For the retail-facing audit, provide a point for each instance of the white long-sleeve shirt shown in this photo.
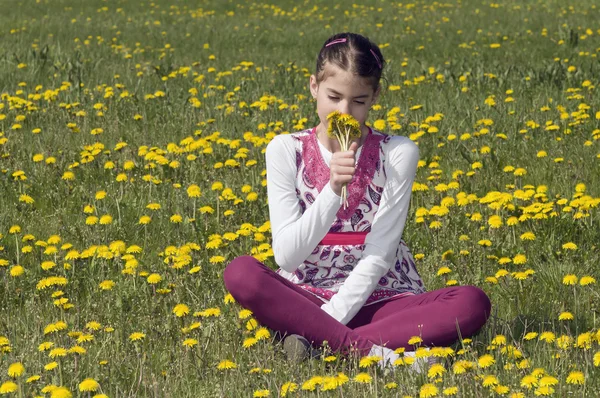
(296, 234)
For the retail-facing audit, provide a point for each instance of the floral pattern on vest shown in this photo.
(328, 266)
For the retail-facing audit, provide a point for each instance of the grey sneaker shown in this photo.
(298, 348)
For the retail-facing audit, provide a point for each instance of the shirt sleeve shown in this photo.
(295, 234)
(382, 241)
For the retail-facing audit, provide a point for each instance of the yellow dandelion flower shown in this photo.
(544, 391)
(88, 384)
(548, 337)
(8, 387)
(45, 346)
(450, 391)
(530, 336)
(33, 378)
(106, 285)
(136, 336)
(528, 236)
(16, 369)
(262, 333)
(519, 259)
(548, 381)
(443, 271)
(228, 299)
(499, 340)
(16, 271)
(106, 219)
(288, 387)
(26, 199)
(428, 391)
(51, 365)
(524, 364)
(584, 340)
(15, 229)
(565, 316)
(436, 370)
(495, 221)
(367, 361)
(153, 279)
(181, 310)
(490, 381)
(461, 366)
(58, 352)
(486, 361)
(61, 392)
(415, 340)
(587, 280)
(217, 259)
(363, 378)
(576, 377)
(226, 364)
(193, 191)
(190, 342)
(249, 342)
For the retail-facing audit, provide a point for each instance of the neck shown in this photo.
(332, 144)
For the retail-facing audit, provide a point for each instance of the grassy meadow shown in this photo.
(132, 139)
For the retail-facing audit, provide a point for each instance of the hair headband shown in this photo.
(376, 58)
(336, 41)
(343, 40)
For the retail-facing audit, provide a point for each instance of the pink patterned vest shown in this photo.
(330, 263)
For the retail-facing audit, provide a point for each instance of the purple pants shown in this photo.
(439, 317)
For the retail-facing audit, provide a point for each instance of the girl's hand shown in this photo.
(342, 168)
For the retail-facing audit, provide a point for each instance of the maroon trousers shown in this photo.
(439, 317)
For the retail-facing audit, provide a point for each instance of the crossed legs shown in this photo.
(437, 316)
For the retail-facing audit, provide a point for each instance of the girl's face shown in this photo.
(344, 92)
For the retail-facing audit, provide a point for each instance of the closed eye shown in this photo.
(337, 99)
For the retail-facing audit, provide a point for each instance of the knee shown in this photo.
(235, 273)
(239, 275)
(476, 302)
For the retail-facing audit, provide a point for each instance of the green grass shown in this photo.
(440, 56)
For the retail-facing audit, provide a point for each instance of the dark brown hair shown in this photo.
(353, 53)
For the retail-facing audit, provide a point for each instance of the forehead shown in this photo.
(344, 82)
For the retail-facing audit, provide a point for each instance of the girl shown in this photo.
(345, 275)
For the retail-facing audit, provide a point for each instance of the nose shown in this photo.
(344, 107)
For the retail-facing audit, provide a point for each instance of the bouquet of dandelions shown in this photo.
(345, 129)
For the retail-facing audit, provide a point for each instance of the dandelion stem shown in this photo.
(218, 211)
(118, 209)
(17, 244)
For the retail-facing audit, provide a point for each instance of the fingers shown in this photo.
(343, 161)
(343, 170)
(343, 167)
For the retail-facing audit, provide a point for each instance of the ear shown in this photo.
(314, 86)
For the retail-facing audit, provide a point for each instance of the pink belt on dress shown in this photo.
(344, 238)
